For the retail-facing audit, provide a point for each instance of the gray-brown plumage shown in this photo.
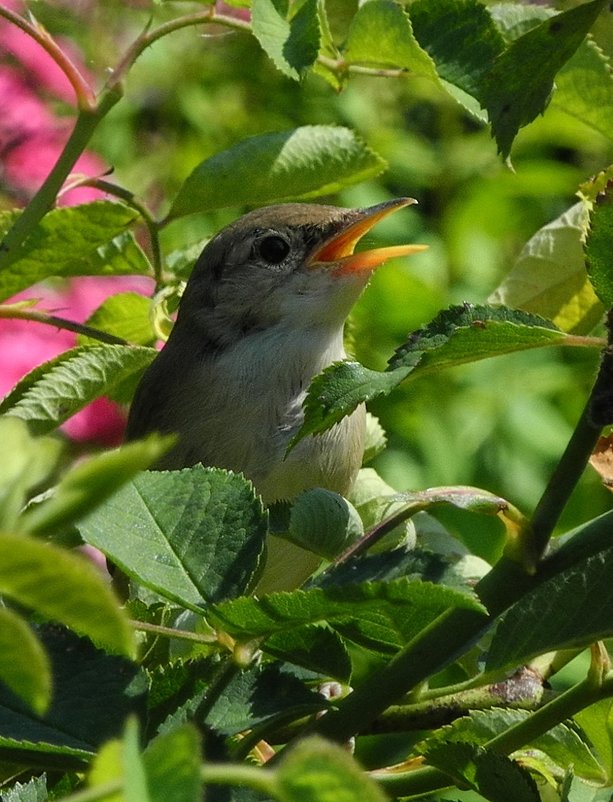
(262, 314)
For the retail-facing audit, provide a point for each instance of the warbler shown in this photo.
(262, 314)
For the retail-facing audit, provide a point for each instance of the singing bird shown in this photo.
(262, 314)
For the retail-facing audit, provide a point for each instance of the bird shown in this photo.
(262, 314)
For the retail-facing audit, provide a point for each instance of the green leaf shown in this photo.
(298, 164)
(194, 536)
(596, 721)
(291, 43)
(494, 776)
(108, 688)
(569, 610)
(549, 277)
(312, 647)
(562, 744)
(90, 483)
(319, 771)
(519, 85)
(258, 695)
(461, 39)
(456, 336)
(63, 587)
(26, 463)
(126, 315)
(584, 88)
(56, 390)
(172, 766)
(24, 667)
(381, 33)
(380, 615)
(599, 245)
(73, 241)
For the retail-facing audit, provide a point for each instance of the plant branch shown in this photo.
(86, 100)
(20, 312)
(170, 632)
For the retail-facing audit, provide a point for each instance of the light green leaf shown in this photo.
(584, 88)
(35, 790)
(292, 43)
(519, 85)
(549, 277)
(298, 164)
(596, 721)
(27, 462)
(66, 588)
(381, 33)
(73, 241)
(194, 536)
(90, 483)
(126, 315)
(382, 616)
(24, 666)
(319, 771)
(54, 391)
(172, 766)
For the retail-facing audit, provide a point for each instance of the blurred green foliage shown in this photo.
(500, 424)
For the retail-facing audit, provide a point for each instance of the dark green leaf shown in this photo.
(319, 771)
(381, 33)
(74, 241)
(519, 85)
(107, 689)
(56, 390)
(456, 336)
(261, 694)
(562, 744)
(380, 615)
(461, 39)
(24, 667)
(571, 609)
(194, 536)
(315, 648)
(468, 333)
(289, 165)
(63, 587)
(494, 776)
(292, 43)
(599, 245)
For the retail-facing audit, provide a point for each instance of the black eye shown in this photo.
(273, 249)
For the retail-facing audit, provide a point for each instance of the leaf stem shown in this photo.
(18, 312)
(170, 632)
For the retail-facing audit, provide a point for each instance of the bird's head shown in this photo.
(290, 265)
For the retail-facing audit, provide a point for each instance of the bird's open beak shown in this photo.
(337, 252)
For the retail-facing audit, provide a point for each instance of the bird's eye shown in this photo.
(273, 249)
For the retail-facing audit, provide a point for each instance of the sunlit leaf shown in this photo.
(299, 164)
(292, 43)
(24, 666)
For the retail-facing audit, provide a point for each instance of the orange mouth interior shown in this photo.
(338, 251)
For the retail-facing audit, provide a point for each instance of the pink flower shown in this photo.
(31, 139)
